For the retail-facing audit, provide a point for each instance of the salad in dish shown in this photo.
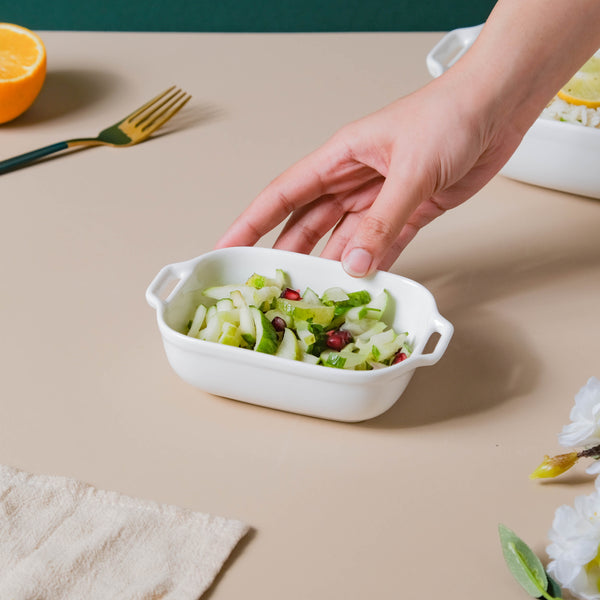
(338, 329)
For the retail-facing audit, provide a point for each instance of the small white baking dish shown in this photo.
(553, 154)
(278, 382)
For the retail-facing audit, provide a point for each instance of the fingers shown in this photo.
(381, 225)
(310, 223)
(341, 235)
(329, 170)
(297, 186)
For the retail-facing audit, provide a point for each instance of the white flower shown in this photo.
(575, 547)
(584, 429)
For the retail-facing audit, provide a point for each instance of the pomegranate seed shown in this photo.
(279, 324)
(399, 358)
(290, 294)
(336, 340)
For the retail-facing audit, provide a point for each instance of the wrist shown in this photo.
(523, 56)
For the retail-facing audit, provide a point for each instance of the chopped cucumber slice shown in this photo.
(379, 303)
(382, 346)
(219, 292)
(343, 360)
(362, 326)
(238, 299)
(321, 315)
(301, 310)
(242, 315)
(309, 358)
(230, 335)
(306, 339)
(330, 358)
(225, 304)
(289, 347)
(354, 299)
(212, 331)
(334, 295)
(265, 296)
(252, 296)
(266, 336)
(257, 281)
(282, 280)
(311, 297)
(374, 328)
(247, 327)
(198, 321)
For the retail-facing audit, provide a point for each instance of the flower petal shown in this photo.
(584, 429)
(577, 434)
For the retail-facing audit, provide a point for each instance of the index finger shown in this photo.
(325, 171)
(300, 184)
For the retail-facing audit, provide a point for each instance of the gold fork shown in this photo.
(133, 129)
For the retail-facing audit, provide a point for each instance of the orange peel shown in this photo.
(22, 70)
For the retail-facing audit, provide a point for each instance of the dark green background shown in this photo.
(245, 15)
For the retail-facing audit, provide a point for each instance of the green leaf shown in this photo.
(320, 334)
(354, 299)
(553, 588)
(522, 562)
(358, 298)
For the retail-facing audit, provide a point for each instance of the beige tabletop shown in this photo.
(403, 506)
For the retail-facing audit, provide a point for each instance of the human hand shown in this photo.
(381, 179)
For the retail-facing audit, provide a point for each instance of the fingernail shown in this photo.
(357, 262)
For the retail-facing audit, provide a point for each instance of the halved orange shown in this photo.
(584, 87)
(22, 70)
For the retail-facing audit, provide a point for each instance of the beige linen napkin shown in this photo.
(62, 539)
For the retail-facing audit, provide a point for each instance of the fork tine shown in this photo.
(167, 113)
(143, 116)
(148, 104)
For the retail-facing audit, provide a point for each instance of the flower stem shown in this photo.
(593, 452)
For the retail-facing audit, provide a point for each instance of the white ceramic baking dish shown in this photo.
(553, 154)
(280, 383)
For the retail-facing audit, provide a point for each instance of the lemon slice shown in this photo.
(584, 87)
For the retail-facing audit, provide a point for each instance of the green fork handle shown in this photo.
(17, 161)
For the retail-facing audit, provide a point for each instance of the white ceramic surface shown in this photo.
(280, 383)
(553, 154)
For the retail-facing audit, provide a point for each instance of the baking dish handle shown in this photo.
(445, 329)
(450, 48)
(170, 276)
